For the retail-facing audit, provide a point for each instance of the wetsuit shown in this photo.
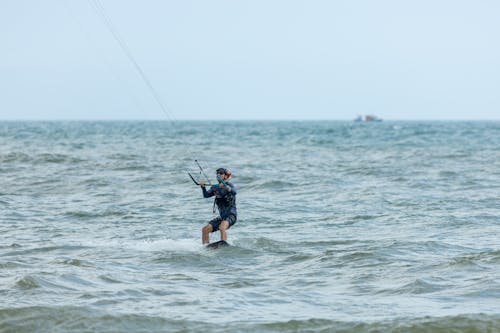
(226, 204)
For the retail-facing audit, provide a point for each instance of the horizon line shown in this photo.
(242, 119)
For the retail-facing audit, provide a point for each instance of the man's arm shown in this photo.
(230, 188)
(206, 193)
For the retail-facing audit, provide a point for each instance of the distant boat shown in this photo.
(367, 118)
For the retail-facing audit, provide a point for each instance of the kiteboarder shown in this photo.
(225, 200)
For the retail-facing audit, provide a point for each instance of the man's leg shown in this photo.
(224, 225)
(205, 231)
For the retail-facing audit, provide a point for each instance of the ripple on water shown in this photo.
(74, 262)
(44, 249)
(58, 319)
(46, 284)
(27, 282)
(419, 286)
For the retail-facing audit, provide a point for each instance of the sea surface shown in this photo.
(342, 227)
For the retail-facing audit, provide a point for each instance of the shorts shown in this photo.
(217, 221)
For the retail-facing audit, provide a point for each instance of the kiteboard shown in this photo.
(216, 245)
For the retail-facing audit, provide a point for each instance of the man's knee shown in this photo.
(224, 226)
(207, 228)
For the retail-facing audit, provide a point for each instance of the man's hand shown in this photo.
(202, 184)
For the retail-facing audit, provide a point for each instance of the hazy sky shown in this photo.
(253, 59)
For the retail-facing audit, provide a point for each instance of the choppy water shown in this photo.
(343, 227)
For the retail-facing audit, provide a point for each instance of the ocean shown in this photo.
(342, 227)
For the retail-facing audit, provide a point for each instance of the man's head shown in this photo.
(224, 173)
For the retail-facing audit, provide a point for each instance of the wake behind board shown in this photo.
(216, 245)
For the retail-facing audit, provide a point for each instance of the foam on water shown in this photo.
(178, 245)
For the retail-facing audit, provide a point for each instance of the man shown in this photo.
(225, 199)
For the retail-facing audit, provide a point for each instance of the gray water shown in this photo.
(342, 227)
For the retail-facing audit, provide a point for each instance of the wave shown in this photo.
(41, 158)
(84, 319)
(457, 324)
(28, 282)
(96, 214)
(14, 157)
(271, 184)
(419, 286)
(266, 244)
(22, 251)
(483, 257)
(327, 243)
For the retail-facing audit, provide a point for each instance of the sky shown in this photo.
(250, 59)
